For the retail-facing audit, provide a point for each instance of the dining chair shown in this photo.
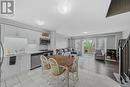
(74, 70)
(45, 67)
(57, 70)
(44, 63)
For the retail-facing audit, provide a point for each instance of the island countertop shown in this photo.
(28, 52)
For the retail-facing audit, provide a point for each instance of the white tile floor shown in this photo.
(36, 78)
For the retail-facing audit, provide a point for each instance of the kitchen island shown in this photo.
(18, 63)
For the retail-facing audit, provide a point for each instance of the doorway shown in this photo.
(88, 46)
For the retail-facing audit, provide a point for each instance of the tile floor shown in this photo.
(35, 78)
(99, 67)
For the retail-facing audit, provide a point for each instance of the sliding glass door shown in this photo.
(88, 46)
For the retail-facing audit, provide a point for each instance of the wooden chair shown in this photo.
(56, 70)
(44, 63)
(45, 67)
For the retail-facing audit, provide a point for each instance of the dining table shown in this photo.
(66, 61)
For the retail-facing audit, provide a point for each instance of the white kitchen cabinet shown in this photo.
(10, 70)
(12, 31)
(25, 62)
(22, 64)
(32, 36)
(4, 68)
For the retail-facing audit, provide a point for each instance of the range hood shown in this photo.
(118, 7)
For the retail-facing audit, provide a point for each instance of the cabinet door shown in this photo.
(4, 68)
(33, 37)
(25, 62)
(10, 70)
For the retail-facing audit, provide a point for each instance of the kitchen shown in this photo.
(23, 48)
(76, 43)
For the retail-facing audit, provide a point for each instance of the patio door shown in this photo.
(88, 46)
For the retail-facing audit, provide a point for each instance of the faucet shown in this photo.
(16, 51)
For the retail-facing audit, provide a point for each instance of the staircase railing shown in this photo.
(125, 75)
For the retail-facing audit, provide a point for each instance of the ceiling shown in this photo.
(83, 16)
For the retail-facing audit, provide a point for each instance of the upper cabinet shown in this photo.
(12, 31)
(33, 37)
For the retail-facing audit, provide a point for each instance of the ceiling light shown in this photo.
(39, 22)
(64, 6)
(85, 32)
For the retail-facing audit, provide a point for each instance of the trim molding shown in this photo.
(96, 35)
(21, 25)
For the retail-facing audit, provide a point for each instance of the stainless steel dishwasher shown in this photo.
(35, 60)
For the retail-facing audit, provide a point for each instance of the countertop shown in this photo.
(16, 54)
(28, 53)
(32, 52)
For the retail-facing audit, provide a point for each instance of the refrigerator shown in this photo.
(1, 52)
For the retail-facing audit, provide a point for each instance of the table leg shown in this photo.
(67, 78)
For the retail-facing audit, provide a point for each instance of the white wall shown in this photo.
(52, 45)
(126, 33)
(61, 41)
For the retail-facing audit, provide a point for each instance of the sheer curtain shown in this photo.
(78, 46)
(101, 44)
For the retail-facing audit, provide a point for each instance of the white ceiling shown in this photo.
(84, 16)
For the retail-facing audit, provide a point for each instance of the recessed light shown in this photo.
(39, 22)
(85, 32)
(64, 6)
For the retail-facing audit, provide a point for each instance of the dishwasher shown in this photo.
(35, 60)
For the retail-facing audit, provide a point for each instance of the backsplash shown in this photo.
(35, 47)
(22, 46)
(15, 45)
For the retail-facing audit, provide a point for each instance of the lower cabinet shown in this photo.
(21, 64)
(25, 62)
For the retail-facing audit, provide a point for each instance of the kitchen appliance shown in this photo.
(1, 53)
(35, 60)
(12, 60)
(44, 41)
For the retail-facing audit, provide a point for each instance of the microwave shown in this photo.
(44, 41)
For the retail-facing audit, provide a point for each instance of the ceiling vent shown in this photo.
(118, 7)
